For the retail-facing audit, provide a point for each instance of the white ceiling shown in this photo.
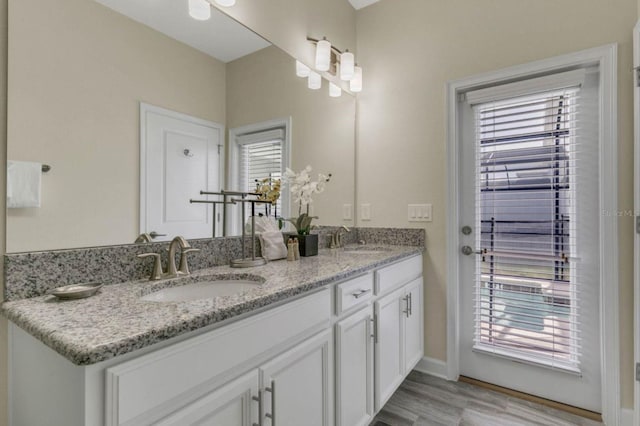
(359, 4)
(220, 37)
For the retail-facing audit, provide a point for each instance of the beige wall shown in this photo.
(263, 86)
(409, 49)
(4, 421)
(77, 72)
(287, 23)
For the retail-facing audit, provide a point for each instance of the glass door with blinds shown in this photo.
(529, 298)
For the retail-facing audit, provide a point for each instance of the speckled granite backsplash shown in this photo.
(36, 273)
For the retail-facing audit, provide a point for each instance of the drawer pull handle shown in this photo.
(359, 294)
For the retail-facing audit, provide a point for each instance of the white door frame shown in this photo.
(606, 58)
(234, 158)
(146, 108)
(636, 209)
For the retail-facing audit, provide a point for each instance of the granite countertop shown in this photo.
(116, 321)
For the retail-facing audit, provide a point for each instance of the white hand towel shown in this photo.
(273, 247)
(24, 181)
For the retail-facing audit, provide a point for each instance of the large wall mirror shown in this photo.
(79, 71)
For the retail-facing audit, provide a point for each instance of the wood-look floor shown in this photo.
(424, 400)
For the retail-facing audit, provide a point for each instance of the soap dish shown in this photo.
(76, 291)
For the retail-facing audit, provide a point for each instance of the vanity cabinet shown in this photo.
(296, 390)
(399, 319)
(231, 405)
(332, 357)
(354, 368)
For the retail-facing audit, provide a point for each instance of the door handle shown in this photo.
(154, 234)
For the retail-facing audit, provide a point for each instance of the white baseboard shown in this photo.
(626, 417)
(433, 367)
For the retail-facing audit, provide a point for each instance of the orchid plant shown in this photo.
(303, 188)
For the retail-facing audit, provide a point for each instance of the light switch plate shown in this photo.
(347, 212)
(365, 212)
(419, 212)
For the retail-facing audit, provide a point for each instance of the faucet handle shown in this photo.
(184, 266)
(156, 273)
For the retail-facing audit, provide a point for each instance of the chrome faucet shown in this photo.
(336, 238)
(172, 271)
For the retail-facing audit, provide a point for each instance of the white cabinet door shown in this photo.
(414, 340)
(354, 369)
(229, 405)
(298, 385)
(389, 350)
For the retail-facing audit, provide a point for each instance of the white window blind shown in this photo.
(261, 158)
(529, 280)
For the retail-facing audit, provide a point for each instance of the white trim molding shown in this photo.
(432, 367)
(605, 58)
(636, 207)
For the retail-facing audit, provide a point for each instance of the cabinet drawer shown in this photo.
(398, 274)
(140, 390)
(353, 292)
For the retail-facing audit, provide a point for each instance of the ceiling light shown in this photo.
(302, 70)
(323, 55)
(199, 9)
(226, 3)
(347, 64)
(315, 81)
(334, 90)
(356, 82)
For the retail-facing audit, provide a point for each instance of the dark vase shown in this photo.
(307, 244)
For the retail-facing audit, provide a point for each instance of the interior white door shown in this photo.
(180, 156)
(516, 294)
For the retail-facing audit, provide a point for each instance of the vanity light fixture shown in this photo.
(330, 59)
(323, 55)
(334, 90)
(199, 9)
(347, 65)
(302, 70)
(315, 80)
(355, 85)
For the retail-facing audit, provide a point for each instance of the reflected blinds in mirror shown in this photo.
(261, 158)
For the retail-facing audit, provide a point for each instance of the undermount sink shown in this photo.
(201, 290)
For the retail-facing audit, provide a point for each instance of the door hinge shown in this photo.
(637, 224)
(462, 97)
(638, 371)
(219, 148)
(637, 70)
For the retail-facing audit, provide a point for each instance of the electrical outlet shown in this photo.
(347, 212)
(365, 212)
(419, 212)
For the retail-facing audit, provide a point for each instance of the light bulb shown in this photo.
(199, 9)
(356, 82)
(323, 55)
(226, 3)
(302, 70)
(334, 90)
(347, 63)
(315, 81)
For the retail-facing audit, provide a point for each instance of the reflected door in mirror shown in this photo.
(180, 156)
